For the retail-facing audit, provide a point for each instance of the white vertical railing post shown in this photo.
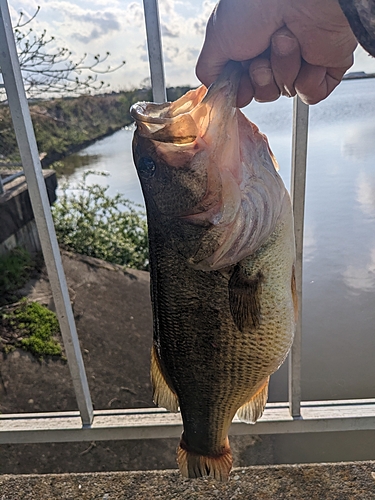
(298, 182)
(39, 200)
(155, 51)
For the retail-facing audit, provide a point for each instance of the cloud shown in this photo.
(134, 15)
(142, 52)
(171, 32)
(191, 53)
(104, 23)
(171, 53)
(167, 7)
(200, 22)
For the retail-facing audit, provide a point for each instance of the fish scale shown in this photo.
(222, 266)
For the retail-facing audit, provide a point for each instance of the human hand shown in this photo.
(285, 46)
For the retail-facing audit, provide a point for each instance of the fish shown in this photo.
(222, 255)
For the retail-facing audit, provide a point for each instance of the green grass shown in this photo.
(15, 271)
(32, 327)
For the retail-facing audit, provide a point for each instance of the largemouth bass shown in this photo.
(222, 265)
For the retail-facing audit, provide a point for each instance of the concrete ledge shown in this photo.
(340, 481)
(17, 224)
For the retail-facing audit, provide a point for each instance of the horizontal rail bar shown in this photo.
(154, 423)
(11, 178)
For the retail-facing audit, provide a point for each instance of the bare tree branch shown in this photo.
(49, 70)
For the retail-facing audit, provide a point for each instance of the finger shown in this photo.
(211, 60)
(315, 83)
(245, 92)
(265, 88)
(285, 60)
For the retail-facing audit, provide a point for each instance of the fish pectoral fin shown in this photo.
(251, 411)
(244, 298)
(163, 395)
(193, 465)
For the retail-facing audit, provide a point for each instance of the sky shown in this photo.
(117, 26)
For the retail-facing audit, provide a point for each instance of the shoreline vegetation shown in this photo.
(66, 125)
(93, 223)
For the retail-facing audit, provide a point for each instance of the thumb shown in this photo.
(211, 60)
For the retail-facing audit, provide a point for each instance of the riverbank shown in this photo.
(66, 125)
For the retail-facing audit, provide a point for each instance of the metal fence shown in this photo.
(296, 416)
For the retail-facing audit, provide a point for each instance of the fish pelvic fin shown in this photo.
(163, 395)
(251, 411)
(193, 465)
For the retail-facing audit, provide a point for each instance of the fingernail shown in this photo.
(283, 44)
(262, 76)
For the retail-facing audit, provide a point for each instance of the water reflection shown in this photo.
(67, 166)
(366, 192)
(358, 141)
(361, 277)
(114, 155)
(309, 243)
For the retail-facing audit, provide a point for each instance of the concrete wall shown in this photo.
(17, 223)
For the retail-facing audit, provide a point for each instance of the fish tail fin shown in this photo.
(253, 409)
(193, 465)
(163, 395)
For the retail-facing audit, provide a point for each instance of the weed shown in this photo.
(32, 327)
(15, 270)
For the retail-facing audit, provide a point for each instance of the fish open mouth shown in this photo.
(182, 121)
(169, 122)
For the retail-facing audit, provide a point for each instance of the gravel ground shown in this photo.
(342, 481)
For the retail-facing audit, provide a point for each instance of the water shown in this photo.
(339, 256)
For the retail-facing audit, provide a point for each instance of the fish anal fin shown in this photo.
(244, 298)
(251, 411)
(163, 395)
(193, 465)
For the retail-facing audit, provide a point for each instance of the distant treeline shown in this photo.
(65, 125)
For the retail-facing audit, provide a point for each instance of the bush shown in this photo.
(93, 223)
(32, 327)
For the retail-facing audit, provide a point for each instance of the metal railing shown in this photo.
(87, 424)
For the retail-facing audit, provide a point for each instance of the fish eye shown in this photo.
(146, 167)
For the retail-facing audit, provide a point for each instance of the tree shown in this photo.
(49, 70)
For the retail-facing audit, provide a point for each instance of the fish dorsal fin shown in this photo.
(244, 298)
(163, 395)
(253, 409)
